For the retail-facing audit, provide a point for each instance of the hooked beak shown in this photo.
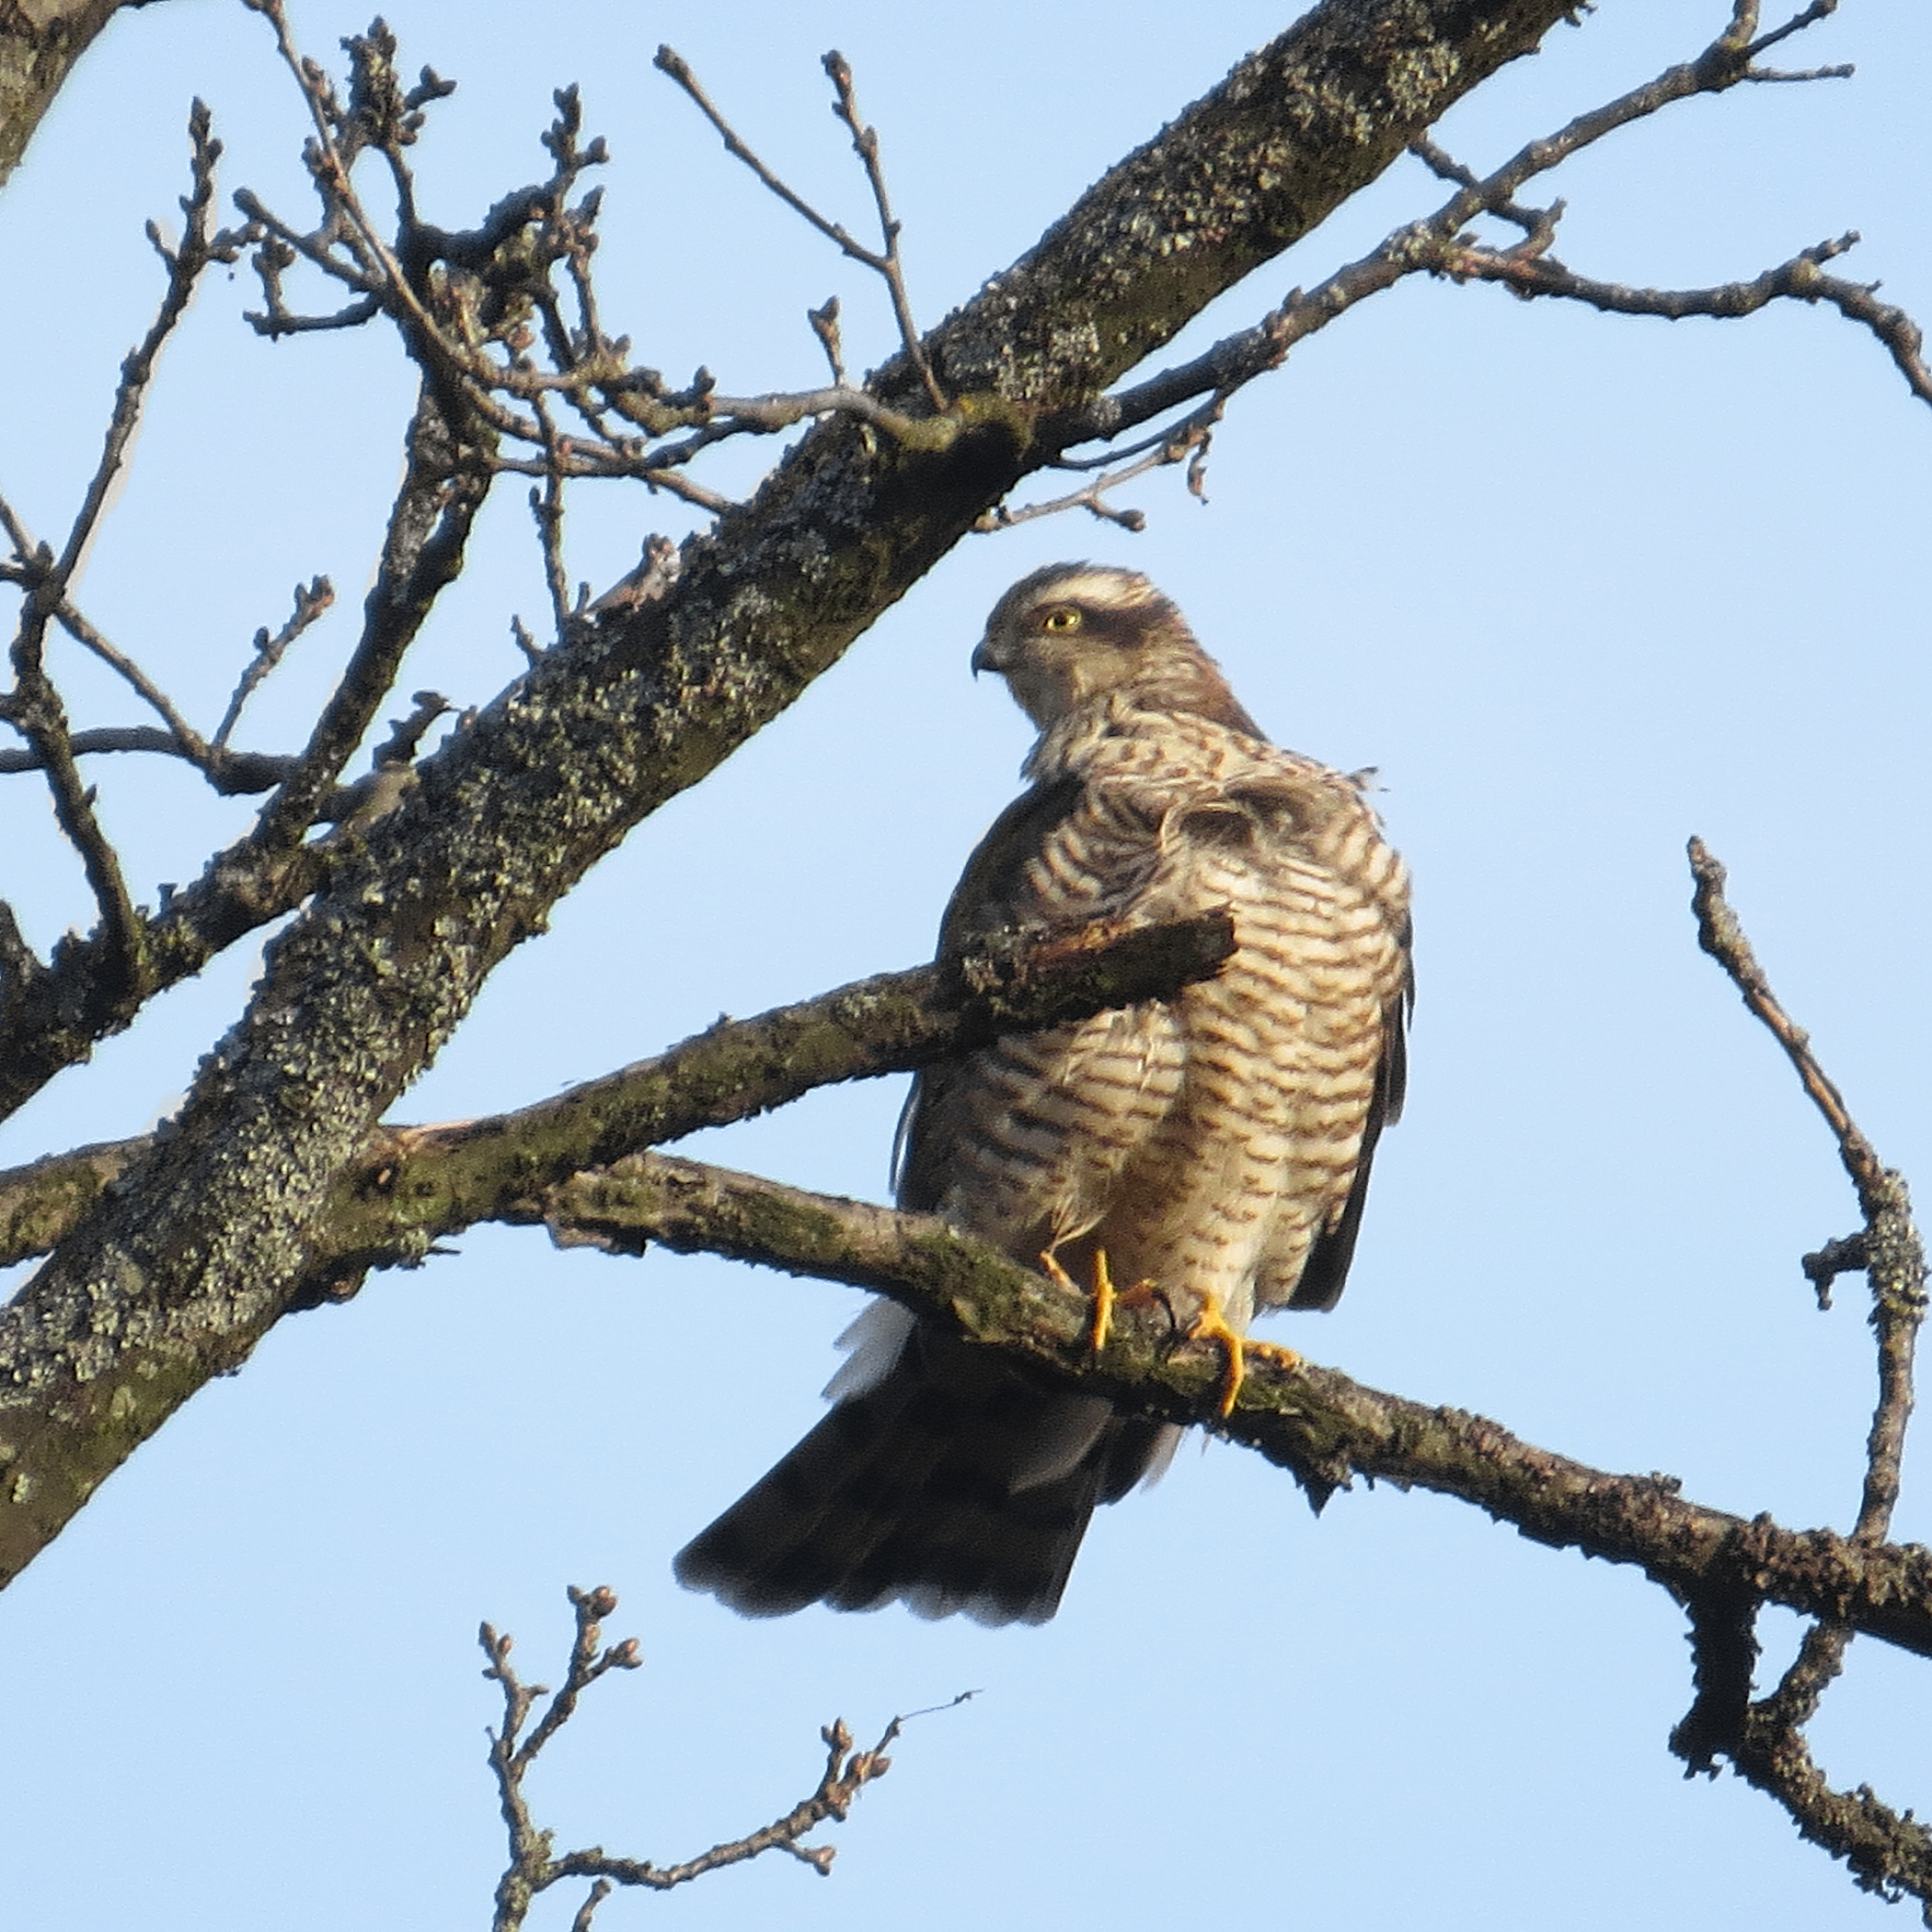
(987, 656)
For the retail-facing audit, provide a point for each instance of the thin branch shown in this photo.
(1438, 245)
(1764, 1740)
(331, 164)
(865, 142)
(1886, 1851)
(200, 248)
(311, 603)
(1798, 279)
(193, 746)
(34, 707)
(1720, 935)
(443, 493)
(1890, 1248)
(1819, 9)
(229, 771)
(1185, 441)
(847, 1772)
(532, 1870)
(546, 511)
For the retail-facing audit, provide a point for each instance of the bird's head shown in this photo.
(1074, 633)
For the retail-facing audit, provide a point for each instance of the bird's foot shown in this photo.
(1211, 1325)
(1105, 1297)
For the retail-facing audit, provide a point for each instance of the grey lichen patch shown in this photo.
(214, 1230)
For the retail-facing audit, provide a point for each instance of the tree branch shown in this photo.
(1436, 245)
(1765, 1739)
(180, 1273)
(533, 1869)
(39, 45)
(410, 1185)
(1320, 1426)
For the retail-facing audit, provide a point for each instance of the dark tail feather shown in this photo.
(954, 1484)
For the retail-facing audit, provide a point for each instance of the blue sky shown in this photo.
(1579, 586)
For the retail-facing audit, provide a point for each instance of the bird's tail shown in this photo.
(953, 1483)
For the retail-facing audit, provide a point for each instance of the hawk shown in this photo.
(1214, 1145)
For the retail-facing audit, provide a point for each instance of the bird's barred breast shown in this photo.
(1194, 1138)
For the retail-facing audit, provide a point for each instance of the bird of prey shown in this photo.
(1214, 1145)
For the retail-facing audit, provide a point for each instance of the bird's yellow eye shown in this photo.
(1064, 619)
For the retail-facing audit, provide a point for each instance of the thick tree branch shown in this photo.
(39, 45)
(1324, 1427)
(410, 1185)
(188, 1263)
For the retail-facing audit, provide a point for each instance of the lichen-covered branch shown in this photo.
(39, 45)
(1324, 1427)
(179, 1272)
(410, 1185)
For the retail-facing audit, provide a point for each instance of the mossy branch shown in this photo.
(412, 1184)
(1321, 1426)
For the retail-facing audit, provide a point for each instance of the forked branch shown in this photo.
(533, 1868)
(1887, 1851)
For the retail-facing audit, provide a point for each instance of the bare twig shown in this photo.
(546, 510)
(443, 493)
(311, 603)
(865, 143)
(1798, 279)
(200, 248)
(1186, 442)
(1890, 1249)
(83, 633)
(34, 707)
(532, 1870)
(1723, 937)
(1765, 1739)
(885, 262)
(231, 773)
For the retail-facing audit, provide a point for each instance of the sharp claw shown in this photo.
(1211, 1325)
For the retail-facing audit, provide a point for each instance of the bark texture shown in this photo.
(192, 1255)
(40, 42)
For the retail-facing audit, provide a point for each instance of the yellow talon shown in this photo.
(1104, 1299)
(1105, 1296)
(1211, 1325)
